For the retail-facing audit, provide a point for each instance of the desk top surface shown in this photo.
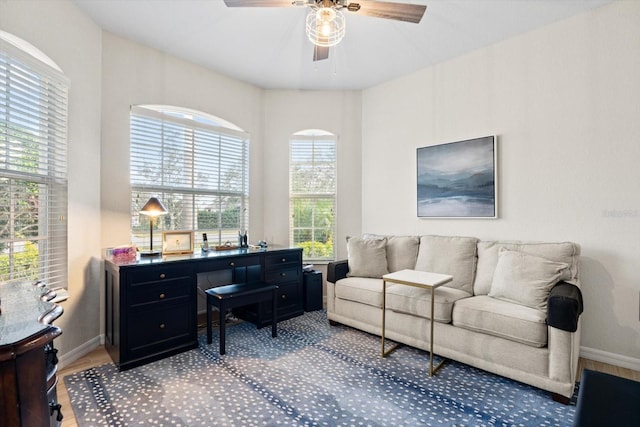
(199, 255)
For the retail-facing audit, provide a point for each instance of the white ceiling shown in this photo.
(268, 46)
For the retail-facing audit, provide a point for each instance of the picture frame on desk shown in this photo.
(177, 242)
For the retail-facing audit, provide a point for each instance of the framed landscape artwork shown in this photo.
(458, 179)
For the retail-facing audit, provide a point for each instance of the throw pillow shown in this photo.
(525, 279)
(367, 257)
(452, 255)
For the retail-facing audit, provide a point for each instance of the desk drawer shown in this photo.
(159, 273)
(226, 263)
(283, 259)
(288, 297)
(165, 291)
(285, 275)
(153, 330)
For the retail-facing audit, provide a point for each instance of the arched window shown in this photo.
(33, 165)
(197, 165)
(312, 193)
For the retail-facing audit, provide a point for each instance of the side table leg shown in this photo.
(431, 337)
(432, 369)
(384, 309)
(385, 353)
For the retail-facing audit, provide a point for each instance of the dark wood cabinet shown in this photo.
(28, 361)
(151, 304)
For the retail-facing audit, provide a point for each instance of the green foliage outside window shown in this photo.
(25, 264)
(313, 227)
(19, 208)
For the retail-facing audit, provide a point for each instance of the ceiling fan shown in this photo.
(325, 23)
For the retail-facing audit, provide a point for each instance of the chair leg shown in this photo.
(209, 328)
(223, 327)
(274, 314)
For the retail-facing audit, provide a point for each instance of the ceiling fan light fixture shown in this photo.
(325, 26)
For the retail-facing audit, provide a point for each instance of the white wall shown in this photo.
(136, 74)
(565, 103)
(289, 111)
(73, 41)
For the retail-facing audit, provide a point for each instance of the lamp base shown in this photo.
(147, 254)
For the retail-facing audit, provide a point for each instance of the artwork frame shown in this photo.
(177, 242)
(458, 179)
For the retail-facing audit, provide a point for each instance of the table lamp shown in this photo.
(152, 209)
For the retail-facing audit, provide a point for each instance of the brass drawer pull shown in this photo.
(162, 276)
(162, 325)
(162, 296)
(232, 264)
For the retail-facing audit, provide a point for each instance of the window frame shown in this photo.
(33, 150)
(312, 136)
(186, 190)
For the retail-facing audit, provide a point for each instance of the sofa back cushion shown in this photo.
(449, 255)
(566, 252)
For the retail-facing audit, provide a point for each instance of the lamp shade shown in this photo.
(153, 207)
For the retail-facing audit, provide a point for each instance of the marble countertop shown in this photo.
(26, 311)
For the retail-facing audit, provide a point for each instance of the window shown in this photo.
(33, 165)
(197, 165)
(312, 193)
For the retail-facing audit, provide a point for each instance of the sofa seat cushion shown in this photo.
(360, 289)
(502, 319)
(417, 301)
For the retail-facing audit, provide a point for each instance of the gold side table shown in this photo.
(420, 279)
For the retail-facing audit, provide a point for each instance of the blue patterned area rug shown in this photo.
(311, 374)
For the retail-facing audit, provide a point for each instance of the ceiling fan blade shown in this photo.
(382, 9)
(258, 3)
(320, 52)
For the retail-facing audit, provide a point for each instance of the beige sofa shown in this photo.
(513, 308)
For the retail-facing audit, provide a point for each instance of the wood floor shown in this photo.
(99, 356)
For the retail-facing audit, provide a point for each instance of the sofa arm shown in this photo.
(564, 307)
(337, 270)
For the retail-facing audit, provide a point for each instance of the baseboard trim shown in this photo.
(610, 358)
(75, 354)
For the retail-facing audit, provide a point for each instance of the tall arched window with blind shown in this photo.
(312, 193)
(197, 165)
(33, 165)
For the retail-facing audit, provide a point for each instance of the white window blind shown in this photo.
(33, 166)
(312, 194)
(198, 169)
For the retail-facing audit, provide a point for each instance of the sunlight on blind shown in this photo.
(33, 167)
(198, 169)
